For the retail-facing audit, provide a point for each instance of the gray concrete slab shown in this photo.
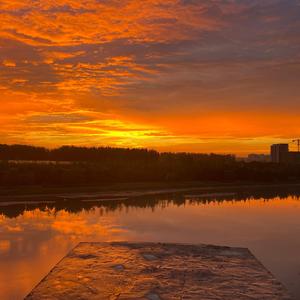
(158, 271)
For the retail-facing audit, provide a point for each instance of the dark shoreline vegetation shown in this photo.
(81, 166)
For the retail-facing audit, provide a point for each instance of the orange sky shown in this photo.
(181, 75)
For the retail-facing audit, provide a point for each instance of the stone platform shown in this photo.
(158, 271)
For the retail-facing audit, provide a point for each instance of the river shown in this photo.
(34, 237)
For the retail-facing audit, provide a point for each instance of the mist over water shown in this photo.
(34, 237)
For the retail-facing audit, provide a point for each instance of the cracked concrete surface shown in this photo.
(158, 271)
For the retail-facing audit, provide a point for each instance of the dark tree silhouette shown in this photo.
(70, 165)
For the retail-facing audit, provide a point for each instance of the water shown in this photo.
(33, 238)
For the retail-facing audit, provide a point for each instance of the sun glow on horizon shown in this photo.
(210, 76)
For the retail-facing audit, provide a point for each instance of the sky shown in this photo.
(217, 76)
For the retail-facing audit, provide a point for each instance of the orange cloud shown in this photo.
(65, 23)
(8, 63)
(176, 74)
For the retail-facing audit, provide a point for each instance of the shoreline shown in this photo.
(119, 192)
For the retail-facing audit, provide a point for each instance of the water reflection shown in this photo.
(34, 237)
(11, 210)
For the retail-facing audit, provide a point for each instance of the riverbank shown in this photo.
(123, 191)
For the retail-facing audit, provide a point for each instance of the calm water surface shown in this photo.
(33, 238)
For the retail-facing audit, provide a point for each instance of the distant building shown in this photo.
(258, 157)
(280, 154)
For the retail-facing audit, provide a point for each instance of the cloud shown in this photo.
(58, 118)
(156, 65)
(8, 63)
(50, 22)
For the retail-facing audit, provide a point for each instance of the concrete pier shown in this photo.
(158, 271)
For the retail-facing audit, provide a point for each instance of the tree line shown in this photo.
(72, 153)
(102, 165)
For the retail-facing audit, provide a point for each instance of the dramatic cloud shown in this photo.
(173, 74)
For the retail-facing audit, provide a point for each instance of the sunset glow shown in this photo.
(181, 75)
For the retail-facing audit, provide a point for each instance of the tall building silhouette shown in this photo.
(280, 154)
